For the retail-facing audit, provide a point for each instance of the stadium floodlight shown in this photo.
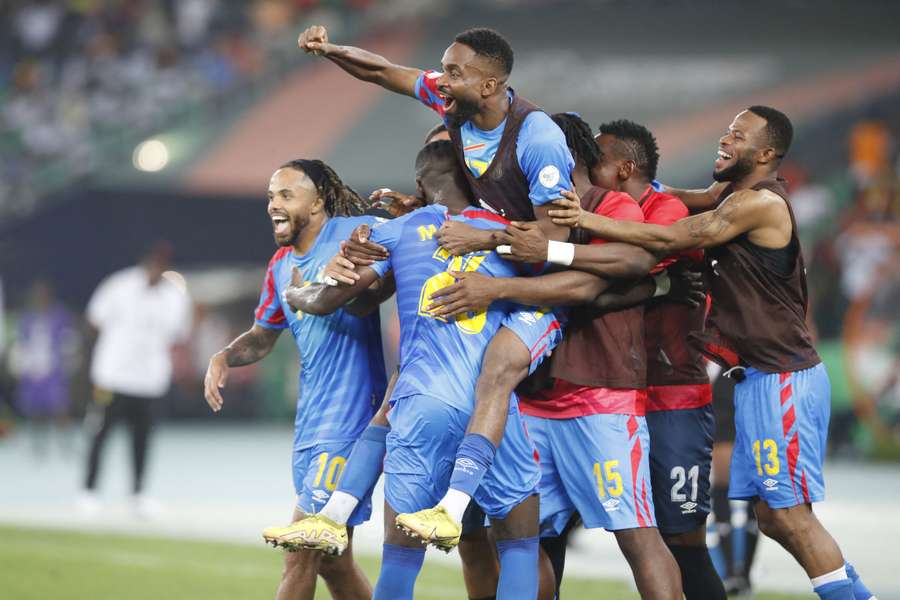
(150, 155)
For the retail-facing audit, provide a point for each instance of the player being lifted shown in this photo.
(342, 378)
(435, 392)
(757, 329)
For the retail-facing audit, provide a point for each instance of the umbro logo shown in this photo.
(611, 505)
(688, 508)
(770, 484)
(467, 465)
(527, 317)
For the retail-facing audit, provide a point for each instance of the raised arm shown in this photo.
(363, 65)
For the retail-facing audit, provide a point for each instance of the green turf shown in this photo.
(43, 564)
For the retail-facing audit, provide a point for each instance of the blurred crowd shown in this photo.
(77, 74)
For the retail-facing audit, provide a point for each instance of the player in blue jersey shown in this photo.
(515, 158)
(342, 379)
(435, 392)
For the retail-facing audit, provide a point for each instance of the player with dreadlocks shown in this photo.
(342, 378)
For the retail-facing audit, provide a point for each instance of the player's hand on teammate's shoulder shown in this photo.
(460, 238)
(340, 270)
(525, 241)
(314, 40)
(396, 203)
(471, 292)
(216, 376)
(360, 250)
(569, 212)
(688, 285)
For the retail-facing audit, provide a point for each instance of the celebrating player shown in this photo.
(679, 398)
(757, 329)
(516, 160)
(342, 379)
(435, 392)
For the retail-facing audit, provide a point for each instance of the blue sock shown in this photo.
(518, 569)
(835, 590)
(365, 462)
(399, 568)
(860, 591)
(473, 458)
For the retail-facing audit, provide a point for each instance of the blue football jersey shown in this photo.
(342, 376)
(439, 357)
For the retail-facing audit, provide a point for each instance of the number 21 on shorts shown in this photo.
(771, 464)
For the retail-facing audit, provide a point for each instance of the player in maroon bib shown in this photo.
(679, 410)
(757, 326)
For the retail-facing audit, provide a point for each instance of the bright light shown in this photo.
(176, 279)
(151, 156)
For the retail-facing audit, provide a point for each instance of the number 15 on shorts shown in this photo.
(608, 478)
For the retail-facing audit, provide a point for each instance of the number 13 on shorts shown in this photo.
(608, 478)
(771, 465)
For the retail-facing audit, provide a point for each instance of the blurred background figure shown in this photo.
(43, 355)
(140, 313)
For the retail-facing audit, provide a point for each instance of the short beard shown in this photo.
(739, 170)
(296, 228)
(465, 110)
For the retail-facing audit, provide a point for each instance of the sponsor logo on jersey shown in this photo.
(549, 176)
(611, 505)
(770, 484)
(688, 508)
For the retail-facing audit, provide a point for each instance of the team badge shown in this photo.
(549, 176)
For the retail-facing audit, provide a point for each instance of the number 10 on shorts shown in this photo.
(608, 479)
(335, 469)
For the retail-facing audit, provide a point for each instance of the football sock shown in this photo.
(699, 579)
(833, 586)
(518, 569)
(473, 458)
(339, 507)
(860, 591)
(365, 462)
(399, 568)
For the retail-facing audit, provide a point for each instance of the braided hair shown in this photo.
(340, 199)
(579, 138)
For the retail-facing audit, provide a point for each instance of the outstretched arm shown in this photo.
(363, 65)
(741, 212)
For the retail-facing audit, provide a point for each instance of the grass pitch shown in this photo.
(46, 563)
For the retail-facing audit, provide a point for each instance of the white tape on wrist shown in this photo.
(330, 281)
(663, 284)
(504, 249)
(560, 253)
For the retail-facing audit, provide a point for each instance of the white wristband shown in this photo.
(330, 281)
(663, 284)
(560, 253)
(504, 249)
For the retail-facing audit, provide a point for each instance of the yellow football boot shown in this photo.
(433, 525)
(313, 532)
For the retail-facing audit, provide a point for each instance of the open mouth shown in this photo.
(722, 157)
(281, 225)
(449, 101)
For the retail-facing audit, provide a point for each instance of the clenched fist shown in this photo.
(315, 40)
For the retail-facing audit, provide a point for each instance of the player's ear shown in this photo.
(626, 168)
(766, 156)
(488, 86)
(318, 205)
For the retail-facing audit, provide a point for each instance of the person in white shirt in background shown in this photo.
(140, 313)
